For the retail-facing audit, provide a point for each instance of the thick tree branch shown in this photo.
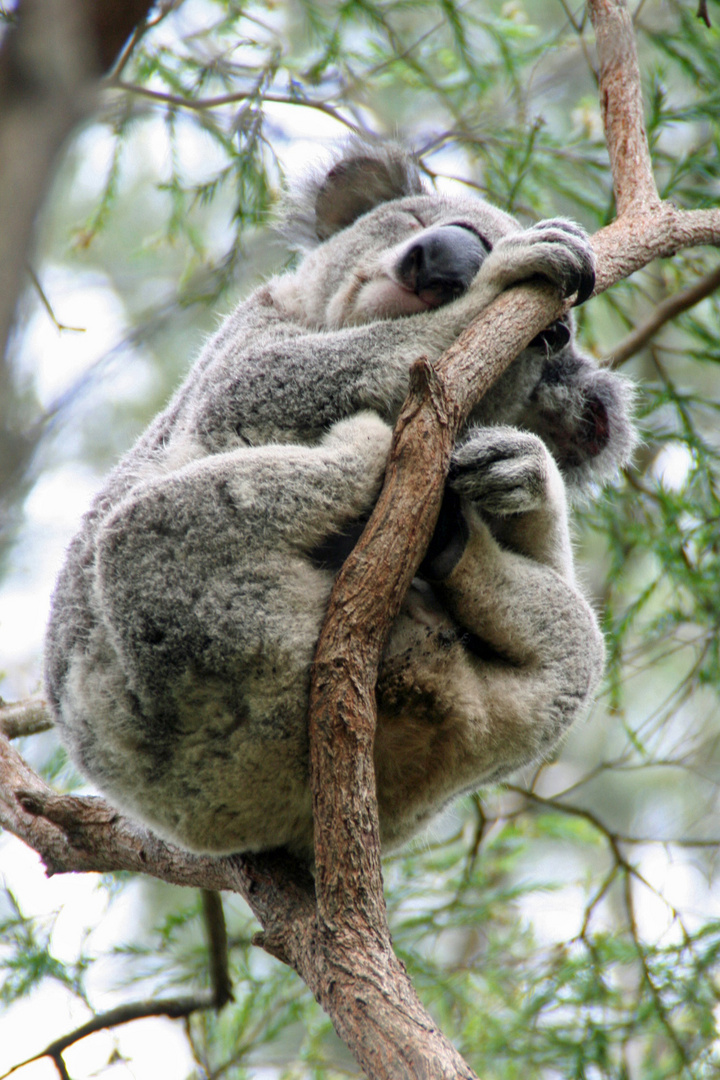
(50, 64)
(341, 945)
(87, 834)
(621, 105)
(51, 59)
(370, 588)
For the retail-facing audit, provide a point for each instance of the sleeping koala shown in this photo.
(185, 620)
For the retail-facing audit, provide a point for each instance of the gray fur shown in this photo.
(185, 620)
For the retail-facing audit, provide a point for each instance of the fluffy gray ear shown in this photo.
(583, 413)
(364, 175)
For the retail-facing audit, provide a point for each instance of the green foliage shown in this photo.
(567, 928)
(26, 958)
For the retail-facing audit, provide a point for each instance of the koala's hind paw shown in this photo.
(502, 470)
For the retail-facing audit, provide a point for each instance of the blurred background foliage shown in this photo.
(565, 926)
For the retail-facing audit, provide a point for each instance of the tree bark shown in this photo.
(51, 60)
(334, 931)
(50, 64)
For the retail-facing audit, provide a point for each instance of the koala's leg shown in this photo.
(510, 476)
(212, 607)
(230, 533)
(531, 640)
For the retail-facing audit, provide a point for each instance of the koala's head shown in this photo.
(377, 244)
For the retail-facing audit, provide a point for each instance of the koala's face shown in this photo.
(405, 257)
(399, 257)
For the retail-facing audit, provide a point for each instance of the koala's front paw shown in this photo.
(557, 249)
(502, 470)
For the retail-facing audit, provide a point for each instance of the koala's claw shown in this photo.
(501, 470)
(577, 275)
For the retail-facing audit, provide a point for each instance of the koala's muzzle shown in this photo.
(440, 265)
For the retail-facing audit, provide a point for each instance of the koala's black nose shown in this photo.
(442, 263)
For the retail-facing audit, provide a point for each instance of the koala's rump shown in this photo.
(209, 745)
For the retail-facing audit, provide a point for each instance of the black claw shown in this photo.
(586, 286)
(555, 337)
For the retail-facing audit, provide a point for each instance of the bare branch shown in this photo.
(27, 717)
(48, 84)
(83, 834)
(665, 311)
(703, 13)
(621, 104)
(201, 104)
(44, 92)
(174, 1008)
(639, 236)
(214, 917)
(370, 587)
(113, 22)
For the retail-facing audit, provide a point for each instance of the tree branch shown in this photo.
(200, 104)
(371, 585)
(27, 717)
(48, 85)
(665, 311)
(341, 945)
(214, 918)
(174, 1008)
(621, 105)
(51, 58)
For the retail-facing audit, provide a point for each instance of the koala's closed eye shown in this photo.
(185, 620)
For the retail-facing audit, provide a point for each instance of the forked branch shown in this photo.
(339, 942)
(370, 588)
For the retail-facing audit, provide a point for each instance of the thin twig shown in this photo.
(48, 306)
(214, 918)
(665, 311)
(659, 1004)
(200, 104)
(174, 1008)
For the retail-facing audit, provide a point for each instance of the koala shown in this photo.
(185, 620)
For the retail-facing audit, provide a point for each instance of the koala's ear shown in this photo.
(583, 413)
(364, 175)
(367, 176)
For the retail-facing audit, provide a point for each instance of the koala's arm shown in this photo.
(540, 653)
(291, 382)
